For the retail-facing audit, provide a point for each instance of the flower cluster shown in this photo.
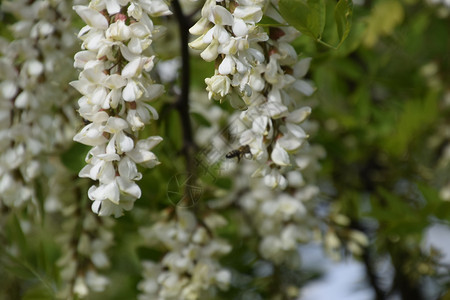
(85, 239)
(116, 85)
(262, 71)
(229, 35)
(190, 269)
(267, 73)
(37, 118)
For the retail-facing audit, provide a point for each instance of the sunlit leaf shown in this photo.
(307, 16)
(385, 17)
(343, 17)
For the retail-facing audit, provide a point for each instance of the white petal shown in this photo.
(129, 187)
(115, 81)
(23, 100)
(82, 57)
(200, 27)
(198, 43)
(8, 89)
(227, 65)
(220, 16)
(91, 17)
(154, 91)
(128, 169)
(124, 142)
(111, 191)
(131, 92)
(301, 68)
(221, 34)
(116, 124)
(280, 156)
(96, 204)
(304, 87)
(260, 125)
(149, 143)
(290, 143)
(299, 115)
(296, 130)
(132, 68)
(135, 45)
(210, 53)
(239, 27)
(248, 13)
(112, 7)
(275, 110)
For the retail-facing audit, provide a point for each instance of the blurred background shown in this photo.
(382, 115)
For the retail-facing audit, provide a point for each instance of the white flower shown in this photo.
(113, 79)
(218, 86)
(141, 154)
(190, 267)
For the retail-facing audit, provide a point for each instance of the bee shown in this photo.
(239, 153)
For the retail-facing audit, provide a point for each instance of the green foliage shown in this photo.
(414, 119)
(385, 17)
(343, 16)
(310, 17)
(381, 105)
(74, 157)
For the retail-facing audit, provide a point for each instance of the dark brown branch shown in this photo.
(182, 104)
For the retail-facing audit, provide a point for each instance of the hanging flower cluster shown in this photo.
(190, 269)
(85, 239)
(266, 70)
(228, 34)
(116, 85)
(37, 118)
(262, 70)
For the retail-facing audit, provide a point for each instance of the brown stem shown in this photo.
(182, 104)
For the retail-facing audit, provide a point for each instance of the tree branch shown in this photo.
(182, 104)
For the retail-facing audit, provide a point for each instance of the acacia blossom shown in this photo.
(267, 78)
(189, 270)
(36, 119)
(85, 239)
(116, 86)
(236, 50)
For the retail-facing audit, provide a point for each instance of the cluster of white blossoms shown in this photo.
(267, 71)
(262, 70)
(37, 123)
(189, 270)
(229, 35)
(115, 84)
(37, 118)
(84, 238)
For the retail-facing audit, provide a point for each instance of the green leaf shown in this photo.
(343, 16)
(414, 119)
(200, 120)
(307, 16)
(38, 292)
(268, 21)
(385, 16)
(73, 158)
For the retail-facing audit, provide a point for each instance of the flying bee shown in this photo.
(239, 153)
